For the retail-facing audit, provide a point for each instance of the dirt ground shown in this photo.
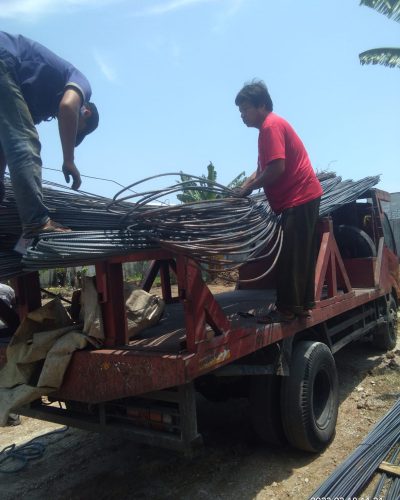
(233, 464)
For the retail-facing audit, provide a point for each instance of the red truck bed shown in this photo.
(203, 334)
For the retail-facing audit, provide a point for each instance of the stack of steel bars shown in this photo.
(353, 475)
(78, 210)
(227, 226)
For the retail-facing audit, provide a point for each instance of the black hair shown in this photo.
(256, 93)
(91, 122)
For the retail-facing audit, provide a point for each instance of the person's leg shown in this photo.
(21, 147)
(296, 263)
(286, 289)
(311, 216)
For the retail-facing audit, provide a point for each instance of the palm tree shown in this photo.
(387, 56)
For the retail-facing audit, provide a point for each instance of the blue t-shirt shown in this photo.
(41, 75)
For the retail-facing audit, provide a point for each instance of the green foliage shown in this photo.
(192, 195)
(386, 56)
(389, 8)
(196, 194)
(238, 180)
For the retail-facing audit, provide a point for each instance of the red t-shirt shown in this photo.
(298, 184)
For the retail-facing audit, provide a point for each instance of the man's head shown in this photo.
(88, 121)
(254, 103)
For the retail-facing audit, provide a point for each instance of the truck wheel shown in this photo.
(386, 336)
(264, 397)
(309, 397)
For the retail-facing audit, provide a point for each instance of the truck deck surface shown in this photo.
(168, 336)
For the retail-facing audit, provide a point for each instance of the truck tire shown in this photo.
(385, 337)
(353, 242)
(264, 398)
(309, 397)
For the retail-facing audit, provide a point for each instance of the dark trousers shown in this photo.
(296, 263)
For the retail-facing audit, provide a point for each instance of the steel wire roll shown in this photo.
(222, 233)
(194, 184)
(233, 229)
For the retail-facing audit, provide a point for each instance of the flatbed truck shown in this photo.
(216, 346)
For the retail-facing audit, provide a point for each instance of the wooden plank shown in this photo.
(390, 468)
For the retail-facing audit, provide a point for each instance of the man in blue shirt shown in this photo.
(37, 85)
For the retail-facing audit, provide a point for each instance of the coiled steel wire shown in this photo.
(222, 233)
(191, 239)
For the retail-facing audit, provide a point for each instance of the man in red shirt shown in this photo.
(285, 173)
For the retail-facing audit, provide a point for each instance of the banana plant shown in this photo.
(193, 195)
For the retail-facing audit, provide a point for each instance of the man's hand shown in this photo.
(68, 117)
(248, 186)
(69, 169)
(243, 191)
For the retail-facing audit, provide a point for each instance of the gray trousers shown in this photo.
(20, 144)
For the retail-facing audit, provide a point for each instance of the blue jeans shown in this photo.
(20, 143)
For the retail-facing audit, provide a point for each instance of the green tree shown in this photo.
(192, 192)
(387, 56)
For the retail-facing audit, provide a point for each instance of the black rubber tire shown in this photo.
(309, 397)
(264, 397)
(353, 242)
(386, 336)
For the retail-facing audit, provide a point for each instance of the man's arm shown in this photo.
(68, 118)
(270, 174)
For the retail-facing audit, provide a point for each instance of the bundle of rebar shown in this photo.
(83, 247)
(80, 210)
(353, 475)
(345, 192)
(228, 230)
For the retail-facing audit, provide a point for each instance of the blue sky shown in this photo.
(165, 74)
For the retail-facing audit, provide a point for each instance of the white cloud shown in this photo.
(107, 70)
(39, 8)
(33, 9)
(167, 6)
(171, 5)
(14, 9)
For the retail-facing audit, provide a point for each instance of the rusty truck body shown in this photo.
(214, 344)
